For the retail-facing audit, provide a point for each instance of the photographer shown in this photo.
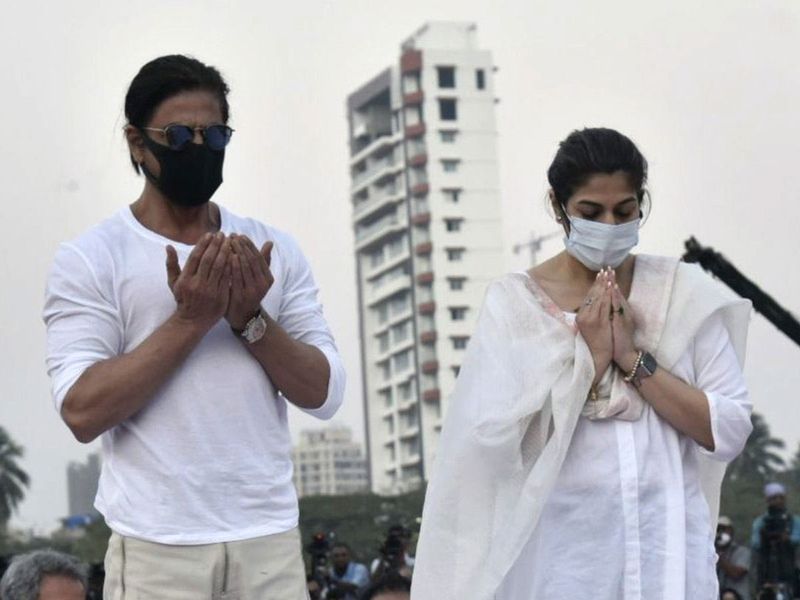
(733, 560)
(317, 580)
(394, 554)
(775, 539)
(346, 576)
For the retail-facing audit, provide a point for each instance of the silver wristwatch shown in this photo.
(255, 328)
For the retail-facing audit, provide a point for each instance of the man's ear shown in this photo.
(133, 136)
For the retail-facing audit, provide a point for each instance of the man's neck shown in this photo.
(341, 570)
(180, 223)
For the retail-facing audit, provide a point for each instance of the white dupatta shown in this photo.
(522, 387)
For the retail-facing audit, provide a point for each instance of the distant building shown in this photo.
(82, 482)
(428, 237)
(328, 462)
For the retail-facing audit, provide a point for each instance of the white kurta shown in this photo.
(627, 518)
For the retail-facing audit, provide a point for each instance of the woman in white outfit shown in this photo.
(601, 397)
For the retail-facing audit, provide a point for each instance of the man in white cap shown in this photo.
(733, 560)
(775, 540)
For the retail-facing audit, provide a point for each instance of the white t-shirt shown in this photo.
(208, 459)
(627, 519)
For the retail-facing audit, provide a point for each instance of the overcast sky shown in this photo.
(710, 92)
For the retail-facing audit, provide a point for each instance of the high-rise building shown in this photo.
(328, 462)
(82, 482)
(427, 221)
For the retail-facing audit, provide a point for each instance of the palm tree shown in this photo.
(12, 478)
(758, 459)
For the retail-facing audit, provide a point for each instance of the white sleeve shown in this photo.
(301, 317)
(83, 323)
(718, 375)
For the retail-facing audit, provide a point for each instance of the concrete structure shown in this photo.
(82, 482)
(328, 462)
(426, 215)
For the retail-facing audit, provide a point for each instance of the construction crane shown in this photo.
(534, 244)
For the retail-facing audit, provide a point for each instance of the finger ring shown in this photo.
(588, 301)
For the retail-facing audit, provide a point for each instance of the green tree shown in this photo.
(759, 459)
(13, 479)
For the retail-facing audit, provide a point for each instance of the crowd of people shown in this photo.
(767, 565)
(333, 574)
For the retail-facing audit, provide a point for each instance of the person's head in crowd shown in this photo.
(399, 531)
(724, 532)
(388, 587)
(341, 556)
(44, 575)
(729, 594)
(775, 495)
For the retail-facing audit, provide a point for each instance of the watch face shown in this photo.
(649, 363)
(255, 329)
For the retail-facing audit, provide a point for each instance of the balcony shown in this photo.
(365, 209)
(375, 172)
(409, 432)
(424, 248)
(425, 278)
(418, 160)
(427, 308)
(420, 189)
(413, 98)
(428, 337)
(421, 218)
(385, 226)
(411, 61)
(380, 143)
(415, 131)
(432, 395)
(429, 367)
(387, 288)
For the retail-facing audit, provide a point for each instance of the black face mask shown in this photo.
(189, 177)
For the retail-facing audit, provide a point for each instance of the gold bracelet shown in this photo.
(629, 377)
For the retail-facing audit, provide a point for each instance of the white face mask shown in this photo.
(599, 245)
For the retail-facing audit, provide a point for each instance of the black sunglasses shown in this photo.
(215, 137)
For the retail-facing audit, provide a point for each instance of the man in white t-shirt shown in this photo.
(184, 371)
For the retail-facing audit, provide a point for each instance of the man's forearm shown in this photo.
(300, 371)
(115, 389)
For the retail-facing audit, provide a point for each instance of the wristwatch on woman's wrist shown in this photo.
(646, 366)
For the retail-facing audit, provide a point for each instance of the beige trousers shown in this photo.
(264, 568)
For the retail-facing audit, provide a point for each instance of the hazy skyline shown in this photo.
(710, 93)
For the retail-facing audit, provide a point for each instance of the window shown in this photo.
(386, 371)
(383, 342)
(376, 258)
(383, 313)
(455, 254)
(402, 361)
(456, 283)
(453, 224)
(387, 398)
(401, 332)
(448, 136)
(480, 79)
(446, 77)
(458, 313)
(405, 391)
(447, 109)
(451, 194)
(460, 342)
(450, 165)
